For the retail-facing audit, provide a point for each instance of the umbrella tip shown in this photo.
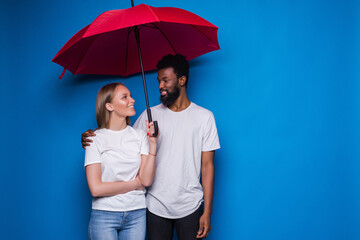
(62, 74)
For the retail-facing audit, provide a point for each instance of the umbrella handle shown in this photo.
(156, 129)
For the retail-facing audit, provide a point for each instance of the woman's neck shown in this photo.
(117, 123)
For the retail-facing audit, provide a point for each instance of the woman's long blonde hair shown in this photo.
(105, 95)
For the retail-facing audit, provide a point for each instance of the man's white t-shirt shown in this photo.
(176, 191)
(119, 153)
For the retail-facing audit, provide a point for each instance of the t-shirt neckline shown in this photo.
(186, 109)
(116, 131)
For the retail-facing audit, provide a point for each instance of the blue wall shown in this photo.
(284, 89)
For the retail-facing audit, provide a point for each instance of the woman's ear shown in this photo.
(109, 107)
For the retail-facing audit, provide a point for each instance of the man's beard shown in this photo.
(170, 97)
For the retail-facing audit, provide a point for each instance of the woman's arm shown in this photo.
(148, 163)
(103, 189)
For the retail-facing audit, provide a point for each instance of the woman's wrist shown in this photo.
(152, 143)
(152, 148)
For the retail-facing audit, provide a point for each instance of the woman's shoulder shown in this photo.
(100, 132)
(139, 134)
(101, 135)
(138, 131)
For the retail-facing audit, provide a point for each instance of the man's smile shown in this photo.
(163, 92)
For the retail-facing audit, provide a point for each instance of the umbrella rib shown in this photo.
(164, 37)
(85, 53)
(127, 48)
(153, 13)
(202, 33)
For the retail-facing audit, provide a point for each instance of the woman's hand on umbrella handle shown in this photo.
(151, 130)
(84, 138)
(156, 129)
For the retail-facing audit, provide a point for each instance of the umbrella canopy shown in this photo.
(108, 45)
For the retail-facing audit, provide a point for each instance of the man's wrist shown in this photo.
(208, 212)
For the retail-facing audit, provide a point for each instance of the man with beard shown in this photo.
(186, 148)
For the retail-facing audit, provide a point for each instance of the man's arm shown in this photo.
(207, 172)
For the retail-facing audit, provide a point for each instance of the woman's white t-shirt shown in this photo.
(119, 153)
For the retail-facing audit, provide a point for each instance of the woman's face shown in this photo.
(122, 103)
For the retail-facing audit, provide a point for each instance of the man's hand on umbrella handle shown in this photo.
(204, 226)
(84, 138)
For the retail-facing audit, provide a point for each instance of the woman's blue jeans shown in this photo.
(130, 225)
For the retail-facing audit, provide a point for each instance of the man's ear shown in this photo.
(182, 81)
(109, 107)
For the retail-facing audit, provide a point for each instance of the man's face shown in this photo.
(168, 86)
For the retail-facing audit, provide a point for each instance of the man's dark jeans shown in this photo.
(159, 228)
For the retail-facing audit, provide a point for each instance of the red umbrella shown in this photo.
(128, 41)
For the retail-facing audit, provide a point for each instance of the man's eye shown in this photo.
(124, 97)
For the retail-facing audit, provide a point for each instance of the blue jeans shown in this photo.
(109, 225)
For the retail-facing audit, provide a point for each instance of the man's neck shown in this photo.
(181, 103)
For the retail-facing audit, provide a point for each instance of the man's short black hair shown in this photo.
(178, 62)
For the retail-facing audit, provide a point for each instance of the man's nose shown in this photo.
(161, 84)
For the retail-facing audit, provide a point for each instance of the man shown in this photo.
(185, 152)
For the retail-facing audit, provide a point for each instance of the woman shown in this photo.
(119, 164)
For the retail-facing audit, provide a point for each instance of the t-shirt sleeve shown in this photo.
(210, 137)
(144, 149)
(141, 122)
(92, 153)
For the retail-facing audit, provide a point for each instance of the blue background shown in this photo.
(284, 89)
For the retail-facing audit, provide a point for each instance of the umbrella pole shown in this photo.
(148, 110)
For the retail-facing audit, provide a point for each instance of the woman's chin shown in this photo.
(132, 113)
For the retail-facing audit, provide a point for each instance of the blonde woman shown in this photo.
(119, 164)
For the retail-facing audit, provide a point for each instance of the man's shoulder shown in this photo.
(200, 110)
(140, 121)
(158, 107)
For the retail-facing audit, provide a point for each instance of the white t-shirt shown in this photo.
(119, 155)
(176, 191)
